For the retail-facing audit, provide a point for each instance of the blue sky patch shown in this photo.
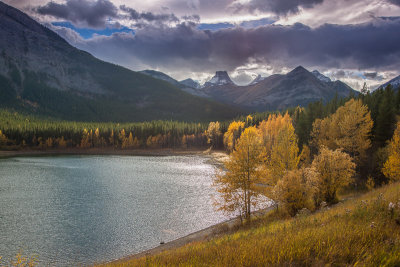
(87, 33)
(215, 26)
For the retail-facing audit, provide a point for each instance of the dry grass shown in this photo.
(361, 231)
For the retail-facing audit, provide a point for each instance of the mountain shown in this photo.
(220, 78)
(257, 80)
(41, 73)
(321, 77)
(191, 83)
(161, 76)
(298, 87)
(394, 82)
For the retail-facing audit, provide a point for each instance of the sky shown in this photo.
(355, 41)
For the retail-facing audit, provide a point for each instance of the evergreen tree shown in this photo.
(386, 118)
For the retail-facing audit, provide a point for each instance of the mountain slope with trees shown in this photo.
(41, 73)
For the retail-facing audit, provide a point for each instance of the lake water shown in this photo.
(72, 210)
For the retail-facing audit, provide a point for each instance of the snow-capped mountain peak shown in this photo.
(394, 82)
(220, 78)
(321, 77)
(258, 79)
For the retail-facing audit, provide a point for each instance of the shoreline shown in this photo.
(208, 233)
(106, 151)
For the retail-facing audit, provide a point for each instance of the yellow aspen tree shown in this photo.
(249, 121)
(122, 138)
(130, 140)
(284, 154)
(213, 134)
(111, 138)
(305, 157)
(348, 129)
(85, 141)
(270, 128)
(136, 143)
(3, 139)
(49, 142)
(91, 138)
(335, 169)
(149, 141)
(232, 134)
(280, 142)
(391, 168)
(97, 140)
(61, 143)
(239, 185)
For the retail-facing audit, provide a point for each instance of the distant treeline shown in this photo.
(24, 131)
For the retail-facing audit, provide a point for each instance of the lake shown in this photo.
(72, 210)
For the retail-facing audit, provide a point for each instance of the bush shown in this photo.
(295, 191)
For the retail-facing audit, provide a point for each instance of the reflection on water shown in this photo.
(86, 209)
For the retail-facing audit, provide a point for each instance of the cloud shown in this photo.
(395, 2)
(279, 7)
(371, 75)
(187, 48)
(86, 12)
(149, 16)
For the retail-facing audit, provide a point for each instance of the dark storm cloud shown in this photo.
(280, 7)
(148, 16)
(371, 75)
(91, 13)
(185, 46)
(395, 2)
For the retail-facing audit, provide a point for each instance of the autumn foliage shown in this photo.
(391, 167)
(239, 184)
(349, 129)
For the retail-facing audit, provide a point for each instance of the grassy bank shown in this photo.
(360, 230)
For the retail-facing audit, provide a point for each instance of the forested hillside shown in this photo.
(40, 73)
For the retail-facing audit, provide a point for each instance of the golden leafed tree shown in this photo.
(49, 142)
(295, 190)
(213, 134)
(136, 143)
(61, 142)
(391, 168)
(348, 129)
(96, 138)
(85, 141)
(305, 157)
(111, 138)
(122, 137)
(280, 143)
(335, 169)
(3, 139)
(232, 134)
(285, 152)
(270, 128)
(239, 185)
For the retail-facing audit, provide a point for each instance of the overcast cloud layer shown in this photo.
(352, 40)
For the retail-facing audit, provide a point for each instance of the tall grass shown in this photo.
(361, 231)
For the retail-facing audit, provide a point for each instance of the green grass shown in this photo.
(360, 231)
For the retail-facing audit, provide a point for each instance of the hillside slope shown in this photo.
(41, 73)
(358, 231)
